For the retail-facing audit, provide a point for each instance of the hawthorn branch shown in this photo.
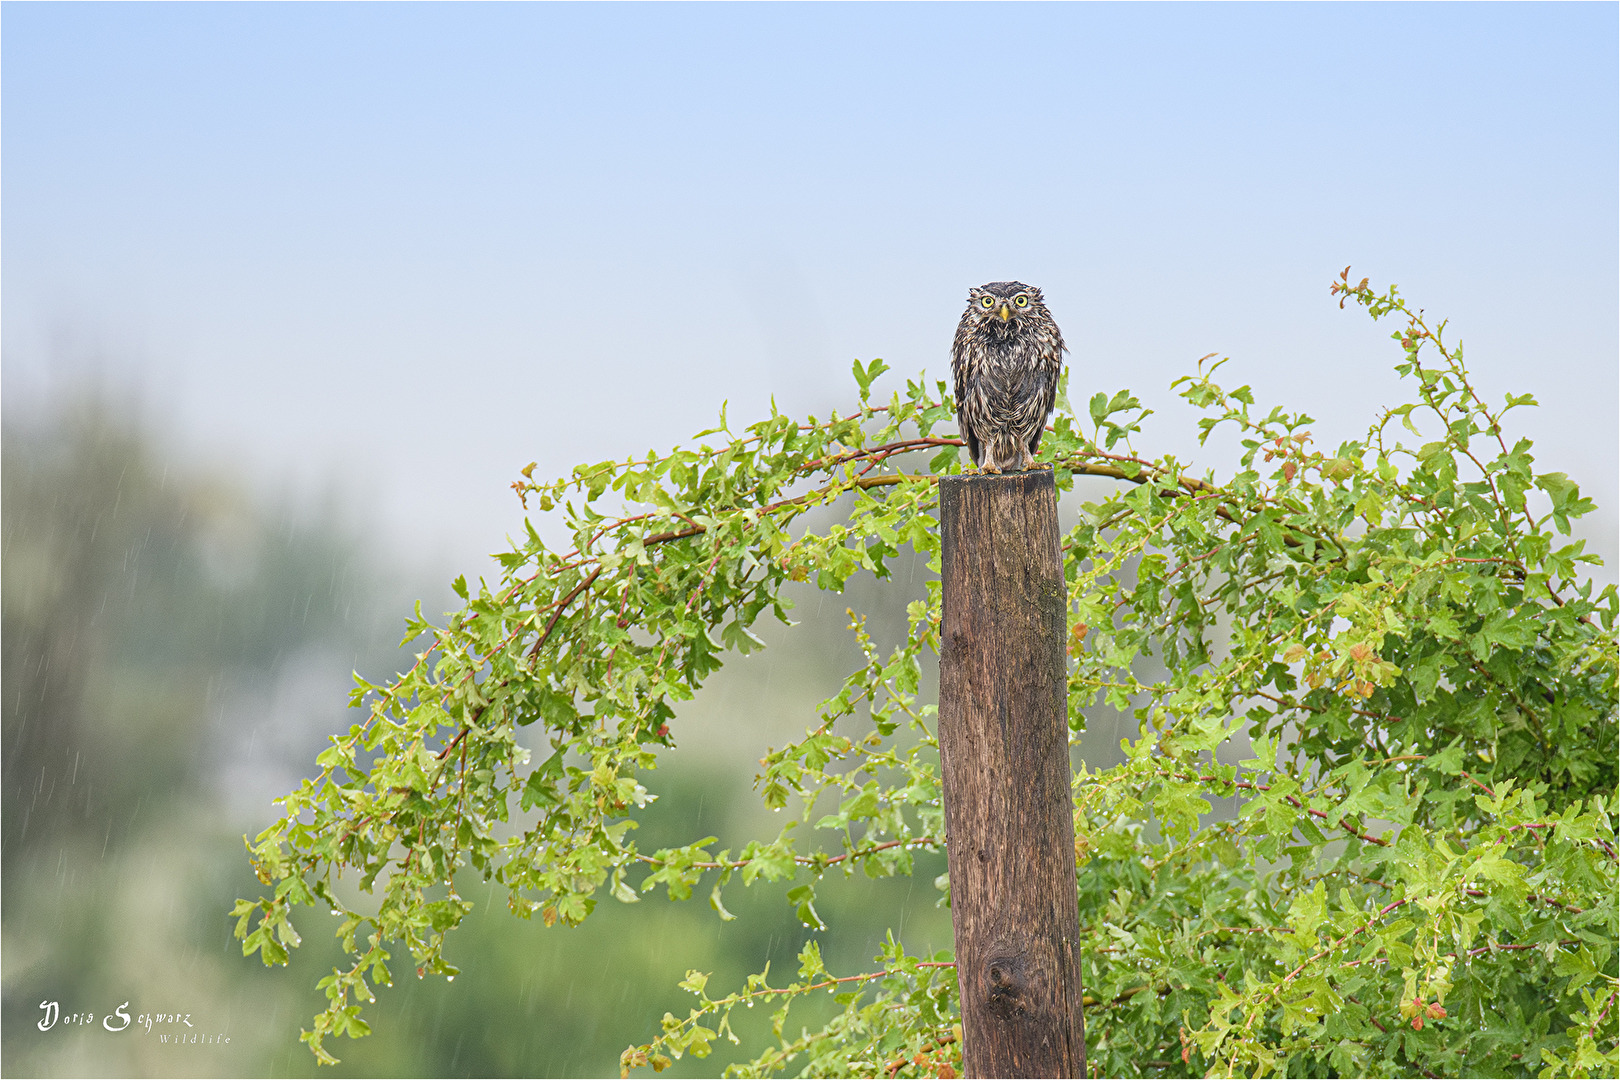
(1352, 999)
(817, 861)
(560, 607)
(1246, 785)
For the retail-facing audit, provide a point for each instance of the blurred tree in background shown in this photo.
(137, 596)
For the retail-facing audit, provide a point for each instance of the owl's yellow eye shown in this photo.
(988, 302)
(1021, 300)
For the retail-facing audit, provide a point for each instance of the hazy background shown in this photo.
(290, 293)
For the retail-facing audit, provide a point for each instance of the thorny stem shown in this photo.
(811, 860)
(1246, 785)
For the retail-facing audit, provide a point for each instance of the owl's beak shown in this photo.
(1006, 312)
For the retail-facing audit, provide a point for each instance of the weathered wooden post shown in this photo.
(1004, 757)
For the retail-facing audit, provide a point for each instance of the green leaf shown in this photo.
(719, 906)
(804, 896)
(541, 786)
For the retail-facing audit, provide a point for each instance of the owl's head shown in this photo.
(1005, 304)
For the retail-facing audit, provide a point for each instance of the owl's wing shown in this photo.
(961, 378)
(959, 374)
(1050, 371)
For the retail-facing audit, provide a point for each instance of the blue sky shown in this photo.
(417, 246)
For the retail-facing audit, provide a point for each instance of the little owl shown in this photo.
(1005, 361)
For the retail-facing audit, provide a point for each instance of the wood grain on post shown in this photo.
(1004, 761)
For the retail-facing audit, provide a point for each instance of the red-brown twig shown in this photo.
(810, 860)
(555, 615)
(1343, 823)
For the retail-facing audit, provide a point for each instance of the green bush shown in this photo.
(1386, 655)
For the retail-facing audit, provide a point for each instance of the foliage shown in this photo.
(1421, 878)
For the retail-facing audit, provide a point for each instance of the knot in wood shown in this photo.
(1008, 985)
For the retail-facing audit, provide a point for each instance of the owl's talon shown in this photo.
(990, 469)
